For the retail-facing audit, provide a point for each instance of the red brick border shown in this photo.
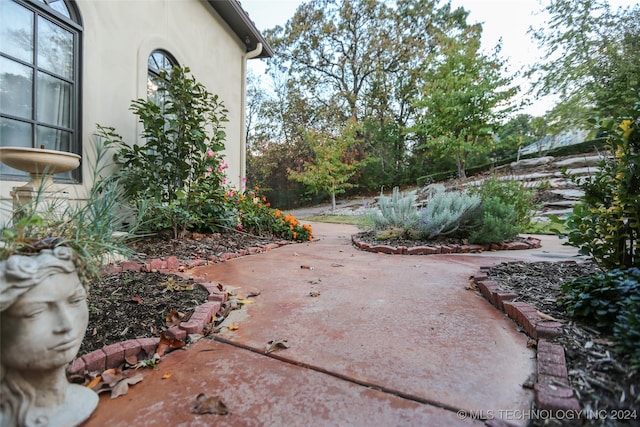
(529, 243)
(552, 390)
(113, 355)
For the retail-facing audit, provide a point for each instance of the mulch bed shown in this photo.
(602, 379)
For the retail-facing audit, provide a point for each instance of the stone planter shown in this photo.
(44, 316)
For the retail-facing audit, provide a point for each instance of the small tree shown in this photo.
(333, 164)
(463, 99)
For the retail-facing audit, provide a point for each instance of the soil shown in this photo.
(136, 305)
(130, 305)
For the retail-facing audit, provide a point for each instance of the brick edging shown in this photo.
(552, 390)
(113, 355)
(528, 243)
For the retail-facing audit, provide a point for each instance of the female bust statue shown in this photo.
(43, 320)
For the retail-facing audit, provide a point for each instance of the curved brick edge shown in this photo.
(172, 264)
(113, 355)
(529, 243)
(552, 390)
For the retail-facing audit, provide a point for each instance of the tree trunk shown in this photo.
(460, 162)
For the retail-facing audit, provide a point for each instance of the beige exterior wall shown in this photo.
(117, 39)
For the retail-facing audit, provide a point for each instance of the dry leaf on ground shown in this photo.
(209, 405)
(174, 318)
(122, 387)
(168, 344)
(274, 345)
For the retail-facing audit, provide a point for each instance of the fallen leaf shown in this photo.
(274, 345)
(547, 317)
(148, 363)
(174, 318)
(136, 300)
(122, 387)
(233, 327)
(209, 405)
(254, 294)
(94, 382)
(168, 344)
(603, 341)
(306, 267)
(111, 376)
(246, 301)
(240, 297)
(166, 375)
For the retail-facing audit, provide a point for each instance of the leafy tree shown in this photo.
(463, 98)
(362, 60)
(591, 59)
(518, 131)
(333, 164)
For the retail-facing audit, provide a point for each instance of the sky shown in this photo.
(508, 20)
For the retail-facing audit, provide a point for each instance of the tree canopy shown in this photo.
(591, 59)
(427, 96)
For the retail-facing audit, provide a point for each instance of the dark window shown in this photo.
(39, 78)
(159, 61)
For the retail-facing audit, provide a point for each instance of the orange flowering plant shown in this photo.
(253, 214)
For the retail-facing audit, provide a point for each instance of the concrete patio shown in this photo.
(387, 340)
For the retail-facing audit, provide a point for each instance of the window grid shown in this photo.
(55, 125)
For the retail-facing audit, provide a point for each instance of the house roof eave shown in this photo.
(238, 20)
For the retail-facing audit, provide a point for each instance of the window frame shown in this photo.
(73, 24)
(153, 74)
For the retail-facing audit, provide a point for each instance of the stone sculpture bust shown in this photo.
(44, 316)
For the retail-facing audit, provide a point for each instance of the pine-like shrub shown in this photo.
(511, 193)
(445, 213)
(496, 222)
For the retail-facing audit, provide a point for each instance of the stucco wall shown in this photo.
(118, 37)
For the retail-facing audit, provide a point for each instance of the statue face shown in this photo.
(44, 328)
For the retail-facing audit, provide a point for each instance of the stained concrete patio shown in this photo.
(389, 341)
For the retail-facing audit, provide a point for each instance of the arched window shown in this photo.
(40, 78)
(159, 61)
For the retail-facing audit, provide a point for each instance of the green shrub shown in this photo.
(606, 224)
(179, 169)
(612, 301)
(252, 214)
(626, 331)
(496, 222)
(399, 210)
(445, 213)
(510, 193)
